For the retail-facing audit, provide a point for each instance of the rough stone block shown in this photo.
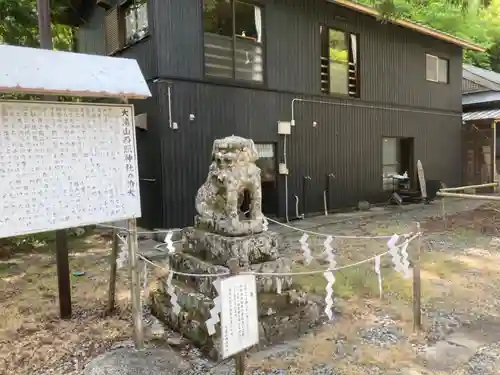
(269, 283)
(187, 263)
(228, 227)
(281, 317)
(219, 249)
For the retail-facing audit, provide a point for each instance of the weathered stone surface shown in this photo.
(232, 173)
(187, 263)
(190, 322)
(290, 318)
(219, 249)
(270, 284)
(129, 361)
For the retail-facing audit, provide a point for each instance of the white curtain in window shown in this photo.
(354, 49)
(258, 23)
(257, 55)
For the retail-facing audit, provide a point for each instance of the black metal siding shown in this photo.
(347, 141)
(396, 100)
(392, 58)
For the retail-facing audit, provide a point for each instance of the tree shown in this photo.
(19, 24)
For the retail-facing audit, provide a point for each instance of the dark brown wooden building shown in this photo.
(481, 114)
(367, 98)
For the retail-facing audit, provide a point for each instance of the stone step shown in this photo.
(187, 263)
(219, 249)
(281, 317)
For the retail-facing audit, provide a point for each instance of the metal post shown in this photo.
(62, 254)
(135, 287)
(239, 359)
(304, 186)
(494, 125)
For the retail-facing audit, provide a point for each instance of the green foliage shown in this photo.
(19, 25)
(474, 20)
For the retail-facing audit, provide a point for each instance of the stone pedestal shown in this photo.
(282, 316)
(221, 233)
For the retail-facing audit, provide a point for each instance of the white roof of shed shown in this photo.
(492, 114)
(39, 71)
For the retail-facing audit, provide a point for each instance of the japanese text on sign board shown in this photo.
(239, 317)
(64, 165)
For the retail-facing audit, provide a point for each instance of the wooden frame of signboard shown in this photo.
(34, 71)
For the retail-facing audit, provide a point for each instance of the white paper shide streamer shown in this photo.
(404, 259)
(169, 242)
(176, 308)
(306, 251)
(329, 254)
(400, 265)
(379, 274)
(265, 224)
(215, 311)
(330, 278)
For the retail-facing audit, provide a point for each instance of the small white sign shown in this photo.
(239, 314)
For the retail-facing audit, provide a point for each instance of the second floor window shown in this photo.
(339, 62)
(233, 42)
(436, 69)
(136, 21)
(125, 25)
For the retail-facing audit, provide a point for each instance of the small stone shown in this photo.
(176, 341)
(363, 206)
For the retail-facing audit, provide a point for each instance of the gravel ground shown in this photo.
(369, 336)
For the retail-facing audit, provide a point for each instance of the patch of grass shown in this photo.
(354, 282)
(8, 268)
(443, 265)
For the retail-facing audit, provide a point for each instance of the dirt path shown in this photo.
(372, 336)
(368, 335)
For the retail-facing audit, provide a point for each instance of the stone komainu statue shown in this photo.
(232, 172)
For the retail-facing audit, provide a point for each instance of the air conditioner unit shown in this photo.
(141, 121)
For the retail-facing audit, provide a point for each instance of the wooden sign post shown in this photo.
(67, 164)
(239, 315)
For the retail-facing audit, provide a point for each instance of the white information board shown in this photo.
(239, 314)
(64, 165)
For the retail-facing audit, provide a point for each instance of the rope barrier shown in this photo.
(330, 235)
(313, 233)
(275, 274)
(125, 230)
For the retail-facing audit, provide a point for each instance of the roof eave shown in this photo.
(412, 25)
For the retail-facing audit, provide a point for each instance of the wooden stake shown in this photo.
(135, 285)
(239, 359)
(112, 273)
(63, 278)
(417, 291)
(62, 255)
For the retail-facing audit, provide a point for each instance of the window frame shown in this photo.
(356, 57)
(274, 147)
(398, 161)
(124, 6)
(233, 80)
(438, 59)
(120, 18)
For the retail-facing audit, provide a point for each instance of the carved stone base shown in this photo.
(229, 227)
(188, 263)
(282, 317)
(219, 249)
